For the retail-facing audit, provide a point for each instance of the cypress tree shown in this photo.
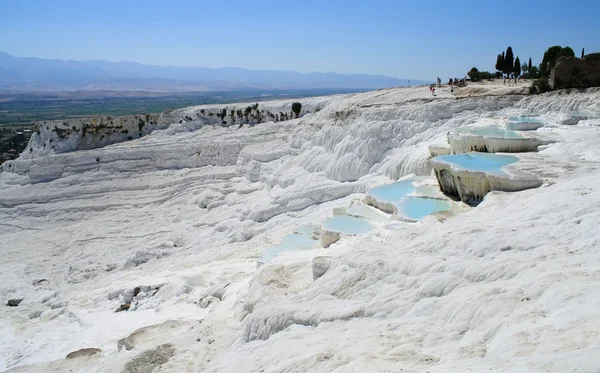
(499, 62)
(582, 52)
(509, 61)
(529, 66)
(517, 67)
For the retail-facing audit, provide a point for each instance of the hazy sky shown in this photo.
(418, 39)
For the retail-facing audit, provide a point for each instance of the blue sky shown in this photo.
(417, 39)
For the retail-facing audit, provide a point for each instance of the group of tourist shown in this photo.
(512, 80)
(451, 82)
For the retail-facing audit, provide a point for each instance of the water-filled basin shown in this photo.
(291, 242)
(486, 162)
(524, 123)
(494, 132)
(524, 119)
(417, 208)
(306, 230)
(392, 192)
(347, 225)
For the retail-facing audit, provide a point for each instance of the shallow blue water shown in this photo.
(417, 208)
(495, 132)
(525, 120)
(524, 123)
(392, 192)
(347, 224)
(290, 242)
(486, 162)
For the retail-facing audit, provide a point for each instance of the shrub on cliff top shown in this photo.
(592, 57)
(476, 75)
(540, 85)
(296, 107)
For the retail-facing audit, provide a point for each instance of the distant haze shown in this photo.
(26, 73)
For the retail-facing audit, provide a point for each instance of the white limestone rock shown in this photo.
(329, 237)
(509, 286)
(439, 149)
(465, 142)
(471, 186)
(320, 265)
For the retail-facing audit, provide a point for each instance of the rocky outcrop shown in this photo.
(84, 352)
(14, 302)
(571, 72)
(60, 136)
(150, 360)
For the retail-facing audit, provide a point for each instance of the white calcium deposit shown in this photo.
(169, 226)
(465, 142)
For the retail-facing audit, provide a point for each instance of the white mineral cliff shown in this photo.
(465, 142)
(167, 229)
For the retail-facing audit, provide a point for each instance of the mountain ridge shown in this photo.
(34, 73)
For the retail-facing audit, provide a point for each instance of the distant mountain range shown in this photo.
(27, 74)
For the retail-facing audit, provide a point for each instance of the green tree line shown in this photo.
(508, 65)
